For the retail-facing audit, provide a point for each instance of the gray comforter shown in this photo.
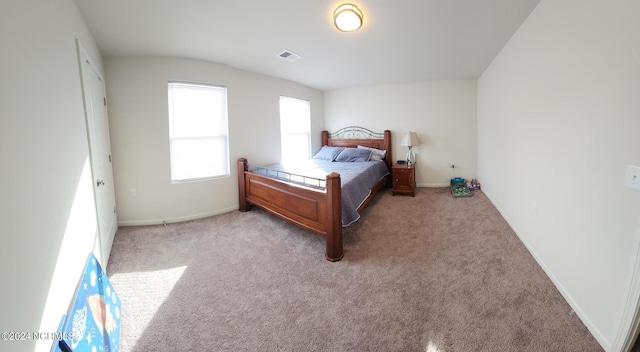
(356, 178)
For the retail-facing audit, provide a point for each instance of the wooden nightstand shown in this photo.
(404, 179)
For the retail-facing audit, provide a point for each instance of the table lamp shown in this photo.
(410, 139)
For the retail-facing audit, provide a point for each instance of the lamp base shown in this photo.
(411, 158)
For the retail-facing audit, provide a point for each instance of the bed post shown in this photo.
(388, 157)
(242, 192)
(325, 138)
(333, 237)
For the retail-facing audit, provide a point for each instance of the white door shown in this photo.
(95, 104)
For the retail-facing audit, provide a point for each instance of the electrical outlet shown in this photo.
(453, 166)
(632, 178)
(534, 209)
(133, 192)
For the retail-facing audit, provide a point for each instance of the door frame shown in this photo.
(102, 238)
(629, 327)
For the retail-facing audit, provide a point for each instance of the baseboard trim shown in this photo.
(567, 297)
(432, 185)
(176, 219)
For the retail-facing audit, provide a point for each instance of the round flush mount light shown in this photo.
(347, 18)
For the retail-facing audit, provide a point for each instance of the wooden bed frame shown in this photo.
(316, 210)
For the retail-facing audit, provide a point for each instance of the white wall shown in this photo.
(138, 113)
(558, 122)
(47, 209)
(443, 113)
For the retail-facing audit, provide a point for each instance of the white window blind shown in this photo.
(198, 131)
(295, 129)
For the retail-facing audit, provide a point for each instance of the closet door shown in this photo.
(95, 103)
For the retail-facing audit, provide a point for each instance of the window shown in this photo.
(199, 146)
(295, 134)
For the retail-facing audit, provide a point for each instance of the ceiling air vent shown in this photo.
(289, 55)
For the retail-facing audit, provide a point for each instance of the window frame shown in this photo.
(307, 133)
(220, 137)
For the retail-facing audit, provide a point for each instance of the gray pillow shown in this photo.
(354, 155)
(328, 153)
(376, 154)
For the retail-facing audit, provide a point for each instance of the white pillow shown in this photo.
(376, 154)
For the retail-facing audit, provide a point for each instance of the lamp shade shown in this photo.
(410, 139)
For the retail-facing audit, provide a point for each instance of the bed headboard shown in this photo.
(353, 136)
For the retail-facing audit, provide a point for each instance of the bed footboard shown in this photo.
(319, 211)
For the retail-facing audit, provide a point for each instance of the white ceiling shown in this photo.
(401, 41)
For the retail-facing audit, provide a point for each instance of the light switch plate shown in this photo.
(632, 179)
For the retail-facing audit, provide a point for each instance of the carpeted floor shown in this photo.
(426, 273)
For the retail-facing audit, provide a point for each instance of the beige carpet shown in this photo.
(430, 273)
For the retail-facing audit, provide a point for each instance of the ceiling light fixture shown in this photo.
(347, 18)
